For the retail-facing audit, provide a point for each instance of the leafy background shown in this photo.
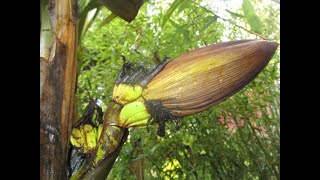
(237, 139)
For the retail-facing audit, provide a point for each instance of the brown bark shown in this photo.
(57, 89)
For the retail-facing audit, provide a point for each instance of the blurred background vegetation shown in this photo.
(237, 139)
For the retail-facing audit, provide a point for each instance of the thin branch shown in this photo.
(243, 28)
(251, 32)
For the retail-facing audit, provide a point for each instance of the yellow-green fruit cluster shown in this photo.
(134, 112)
(85, 137)
(125, 93)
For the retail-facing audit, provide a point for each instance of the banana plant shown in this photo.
(186, 85)
(62, 25)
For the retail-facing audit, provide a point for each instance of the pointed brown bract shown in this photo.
(125, 9)
(201, 78)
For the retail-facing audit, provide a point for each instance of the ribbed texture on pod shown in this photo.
(203, 77)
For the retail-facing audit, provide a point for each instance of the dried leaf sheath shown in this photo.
(204, 77)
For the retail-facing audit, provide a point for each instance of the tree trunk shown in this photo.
(58, 72)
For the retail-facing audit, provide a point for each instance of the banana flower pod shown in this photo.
(191, 83)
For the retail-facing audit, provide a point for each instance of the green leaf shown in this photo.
(91, 5)
(81, 4)
(90, 21)
(184, 5)
(211, 19)
(235, 14)
(251, 16)
(84, 22)
(175, 25)
(170, 11)
(186, 38)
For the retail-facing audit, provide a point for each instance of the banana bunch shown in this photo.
(86, 137)
(85, 134)
(136, 110)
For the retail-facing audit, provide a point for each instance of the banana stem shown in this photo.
(99, 164)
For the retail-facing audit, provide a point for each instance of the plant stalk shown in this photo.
(45, 30)
(98, 165)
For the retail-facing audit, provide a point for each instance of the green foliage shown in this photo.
(234, 14)
(251, 16)
(172, 8)
(237, 139)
